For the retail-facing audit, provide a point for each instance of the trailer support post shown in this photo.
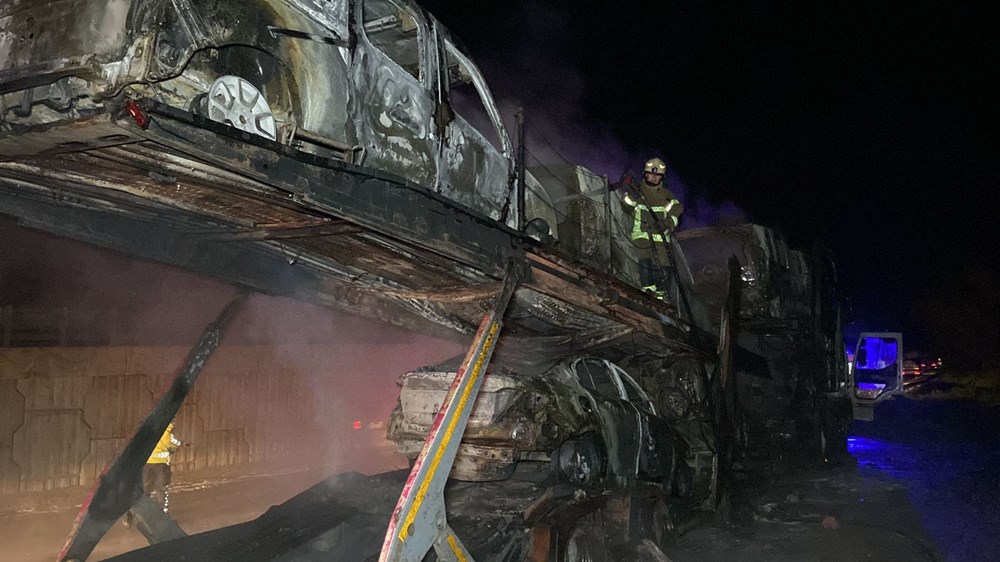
(419, 522)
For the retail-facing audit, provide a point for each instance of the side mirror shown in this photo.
(876, 372)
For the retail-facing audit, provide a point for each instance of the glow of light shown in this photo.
(870, 386)
(357, 424)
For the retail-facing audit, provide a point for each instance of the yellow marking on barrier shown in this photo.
(454, 548)
(422, 491)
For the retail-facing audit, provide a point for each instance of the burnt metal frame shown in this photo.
(247, 262)
(120, 483)
(395, 211)
(363, 196)
(419, 521)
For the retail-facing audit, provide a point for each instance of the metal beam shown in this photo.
(370, 198)
(120, 484)
(419, 521)
(334, 228)
(253, 264)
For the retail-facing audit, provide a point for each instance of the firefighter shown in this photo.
(156, 473)
(649, 197)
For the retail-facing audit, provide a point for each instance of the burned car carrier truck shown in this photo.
(349, 153)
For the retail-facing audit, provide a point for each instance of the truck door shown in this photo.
(877, 371)
(475, 160)
(392, 106)
(620, 425)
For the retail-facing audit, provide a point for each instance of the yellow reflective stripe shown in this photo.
(449, 431)
(454, 548)
(639, 233)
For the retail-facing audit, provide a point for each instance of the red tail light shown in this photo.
(137, 114)
(357, 424)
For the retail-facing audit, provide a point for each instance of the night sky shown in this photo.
(871, 126)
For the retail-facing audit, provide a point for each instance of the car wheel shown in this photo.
(246, 89)
(236, 102)
(581, 461)
(586, 543)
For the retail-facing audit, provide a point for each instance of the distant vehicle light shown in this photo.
(357, 424)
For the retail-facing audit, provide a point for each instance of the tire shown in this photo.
(582, 461)
(652, 521)
(586, 543)
(261, 70)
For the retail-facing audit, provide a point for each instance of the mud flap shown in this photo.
(836, 416)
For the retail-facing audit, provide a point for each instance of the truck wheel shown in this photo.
(586, 543)
(653, 522)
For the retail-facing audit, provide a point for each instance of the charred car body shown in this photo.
(378, 82)
(794, 384)
(585, 417)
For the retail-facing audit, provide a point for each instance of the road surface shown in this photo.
(926, 487)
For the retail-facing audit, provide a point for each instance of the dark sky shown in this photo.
(869, 125)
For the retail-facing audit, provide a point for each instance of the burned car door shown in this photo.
(392, 107)
(656, 438)
(620, 424)
(475, 166)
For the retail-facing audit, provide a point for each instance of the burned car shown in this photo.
(374, 82)
(772, 276)
(583, 418)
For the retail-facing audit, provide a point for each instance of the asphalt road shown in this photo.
(926, 487)
(947, 455)
(35, 529)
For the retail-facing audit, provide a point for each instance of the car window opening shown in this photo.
(603, 382)
(395, 32)
(466, 100)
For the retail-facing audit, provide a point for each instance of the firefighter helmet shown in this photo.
(655, 166)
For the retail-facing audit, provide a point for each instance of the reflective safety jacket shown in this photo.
(653, 199)
(164, 448)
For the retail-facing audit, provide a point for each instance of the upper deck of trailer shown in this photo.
(197, 194)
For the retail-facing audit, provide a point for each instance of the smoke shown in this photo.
(539, 70)
(299, 372)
